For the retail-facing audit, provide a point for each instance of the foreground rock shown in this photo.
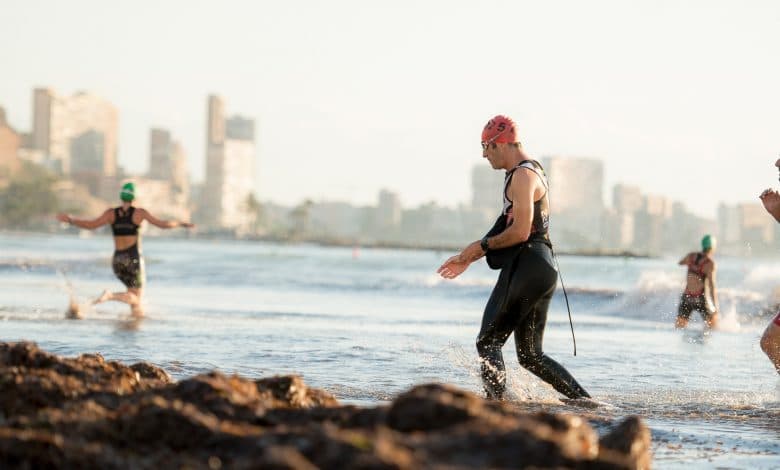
(96, 414)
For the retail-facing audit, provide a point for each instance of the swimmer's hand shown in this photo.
(771, 200)
(186, 224)
(455, 266)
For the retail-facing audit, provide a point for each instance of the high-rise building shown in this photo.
(575, 183)
(9, 147)
(729, 227)
(168, 163)
(57, 120)
(755, 224)
(180, 179)
(230, 169)
(486, 187)
(240, 128)
(576, 199)
(160, 165)
(88, 151)
(388, 210)
(215, 121)
(627, 199)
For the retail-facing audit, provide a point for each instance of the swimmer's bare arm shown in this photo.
(521, 191)
(145, 215)
(771, 201)
(685, 261)
(106, 218)
(713, 287)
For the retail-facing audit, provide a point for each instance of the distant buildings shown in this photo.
(746, 225)
(230, 169)
(486, 186)
(90, 120)
(167, 179)
(158, 197)
(76, 137)
(576, 200)
(388, 212)
(10, 142)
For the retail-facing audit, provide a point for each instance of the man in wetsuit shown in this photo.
(770, 340)
(127, 263)
(700, 289)
(519, 245)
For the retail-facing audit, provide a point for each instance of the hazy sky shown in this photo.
(679, 97)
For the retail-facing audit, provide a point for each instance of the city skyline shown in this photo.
(166, 156)
(679, 100)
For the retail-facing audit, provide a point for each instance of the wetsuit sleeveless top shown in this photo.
(540, 221)
(123, 222)
(696, 269)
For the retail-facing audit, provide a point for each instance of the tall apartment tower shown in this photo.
(486, 187)
(168, 162)
(230, 168)
(576, 198)
(9, 147)
(58, 120)
(159, 154)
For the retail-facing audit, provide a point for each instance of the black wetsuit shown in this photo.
(520, 300)
(128, 265)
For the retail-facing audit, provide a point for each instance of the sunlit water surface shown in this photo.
(367, 324)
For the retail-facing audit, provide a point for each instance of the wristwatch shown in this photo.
(484, 244)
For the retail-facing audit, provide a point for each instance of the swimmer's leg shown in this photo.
(528, 341)
(132, 298)
(770, 342)
(683, 312)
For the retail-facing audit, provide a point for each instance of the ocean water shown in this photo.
(366, 324)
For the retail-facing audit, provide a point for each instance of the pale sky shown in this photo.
(681, 98)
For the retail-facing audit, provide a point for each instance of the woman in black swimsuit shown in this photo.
(127, 263)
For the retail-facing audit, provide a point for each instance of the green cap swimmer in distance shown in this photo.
(128, 192)
(708, 242)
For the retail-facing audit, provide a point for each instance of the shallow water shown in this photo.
(367, 324)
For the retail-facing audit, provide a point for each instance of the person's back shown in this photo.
(125, 226)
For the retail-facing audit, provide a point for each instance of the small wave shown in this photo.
(763, 274)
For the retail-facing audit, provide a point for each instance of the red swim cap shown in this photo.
(500, 130)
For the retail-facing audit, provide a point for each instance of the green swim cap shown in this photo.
(128, 192)
(708, 242)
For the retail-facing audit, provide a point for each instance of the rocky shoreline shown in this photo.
(89, 413)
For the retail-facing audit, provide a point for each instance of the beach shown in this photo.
(367, 325)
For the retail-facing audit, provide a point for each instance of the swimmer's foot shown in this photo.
(74, 310)
(105, 296)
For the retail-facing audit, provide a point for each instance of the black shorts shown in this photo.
(689, 303)
(128, 267)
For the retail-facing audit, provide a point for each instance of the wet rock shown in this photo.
(91, 413)
(627, 444)
(290, 391)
